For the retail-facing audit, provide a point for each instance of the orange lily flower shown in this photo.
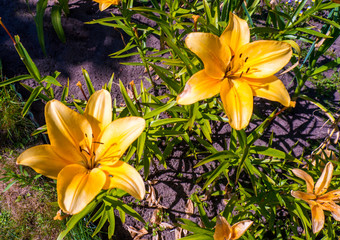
(224, 231)
(317, 198)
(237, 69)
(84, 152)
(104, 4)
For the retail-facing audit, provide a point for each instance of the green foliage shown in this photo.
(257, 179)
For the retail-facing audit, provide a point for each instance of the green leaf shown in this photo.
(160, 122)
(160, 110)
(129, 104)
(216, 173)
(271, 152)
(51, 80)
(56, 22)
(194, 227)
(31, 99)
(64, 95)
(15, 79)
(140, 145)
(312, 32)
(27, 60)
(101, 223)
(76, 218)
(39, 23)
(111, 217)
(324, 67)
(217, 156)
(89, 85)
(126, 208)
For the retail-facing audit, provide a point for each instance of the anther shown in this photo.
(85, 135)
(232, 57)
(241, 74)
(92, 135)
(98, 142)
(246, 59)
(110, 175)
(240, 55)
(247, 70)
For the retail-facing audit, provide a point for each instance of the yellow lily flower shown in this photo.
(84, 152)
(224, 231)
(317, 198)
(104, 4)
(237, 69)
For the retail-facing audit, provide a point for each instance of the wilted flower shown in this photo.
(104, 4)
(84, 152)
(224, 231)
(317, 198)
(236, 69)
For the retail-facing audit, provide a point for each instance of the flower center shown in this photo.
(237, 67)
(88, 152)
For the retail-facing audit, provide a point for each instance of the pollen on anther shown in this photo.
(247, 70)
(232, 57)
(240, 55)
(246, 59)
(241, 74)
(85, 135)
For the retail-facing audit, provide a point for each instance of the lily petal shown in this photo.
(261, 59)
(322, 184)
(77, 186)
(318, 218)
(272, 89)
(331, 196)
(223, 230)
(305, 176)
(237, 98)
(99, 111)
(104, 6)
(117, 137)
(236, 34)
(200, 86)
(123, 176)
(333, 208)
(238, 229)
(44, 160)
(209, 49)
(67, 131)
(303, 196)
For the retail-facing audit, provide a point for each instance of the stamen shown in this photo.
(246, 59)
(232, 57)
(247, 70)
(241, 74)
(240, 55)
(98, 142)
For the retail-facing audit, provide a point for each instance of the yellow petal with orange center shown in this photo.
(67, 131)
(117, 137)
(99, 111)
(318, 218)
(305, 176)
(261, 59)
(222, 230)
(200, 86)
(123, 176)
(236, 34)
(331, 196)
(271, 88)
(333, 208)
(209, 49)
(78, 186)
(237, 98)
(303, 196)
(322, 184)
(238, 229)
(44, 160)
